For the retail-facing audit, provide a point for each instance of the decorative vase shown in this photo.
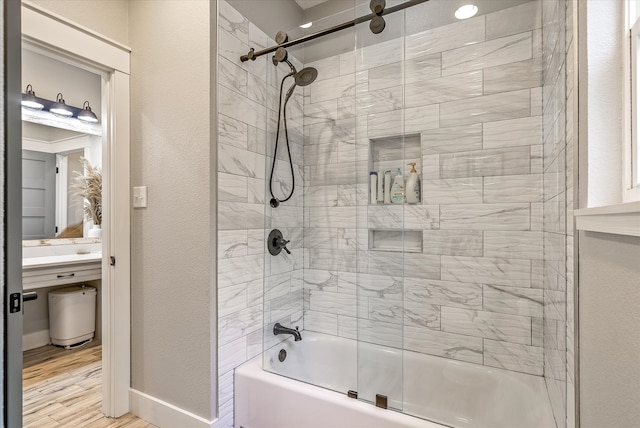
(95, 231)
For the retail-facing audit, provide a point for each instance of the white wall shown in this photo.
(107, 17)
(609, 276)
(609, 330)
(170, 278)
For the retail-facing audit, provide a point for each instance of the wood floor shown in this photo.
(64, 389)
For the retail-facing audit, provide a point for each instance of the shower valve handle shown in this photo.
(282, 243)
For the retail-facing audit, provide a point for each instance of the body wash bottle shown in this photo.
(397, 190)
(413, 185)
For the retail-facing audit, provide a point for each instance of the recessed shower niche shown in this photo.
(408, 241)
(393, 152)
(387, 222)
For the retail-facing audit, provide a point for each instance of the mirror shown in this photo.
(52, 148)
(50, 160)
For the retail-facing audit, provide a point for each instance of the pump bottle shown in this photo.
(412, 187)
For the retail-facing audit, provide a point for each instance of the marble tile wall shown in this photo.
(254, 288)
(559, 110)
(472, 91)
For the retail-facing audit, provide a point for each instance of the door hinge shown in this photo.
(112, 261)
(57, 170)
(56, 229)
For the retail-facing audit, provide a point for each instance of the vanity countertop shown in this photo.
(60, 260)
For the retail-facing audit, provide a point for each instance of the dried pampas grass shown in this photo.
(89, 187)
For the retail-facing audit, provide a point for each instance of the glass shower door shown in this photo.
(312, 288)
(380, 156)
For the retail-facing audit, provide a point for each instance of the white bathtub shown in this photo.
(449, 392)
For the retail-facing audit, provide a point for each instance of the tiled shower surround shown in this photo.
(254, 289)
(471, 95)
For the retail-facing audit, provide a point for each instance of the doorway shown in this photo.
(50, 36)
(61, 204)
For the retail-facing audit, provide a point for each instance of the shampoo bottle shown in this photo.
(373, 187)
(413, 185)
(397, 190)
(387, 186)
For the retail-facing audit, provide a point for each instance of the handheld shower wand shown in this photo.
(304, 77)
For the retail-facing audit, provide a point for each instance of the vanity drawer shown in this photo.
(60, 275)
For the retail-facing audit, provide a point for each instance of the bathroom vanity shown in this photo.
(52, 264)
(46, 271)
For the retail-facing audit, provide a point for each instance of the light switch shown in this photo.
(140, 197)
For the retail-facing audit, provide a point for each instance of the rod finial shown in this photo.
(249, 56)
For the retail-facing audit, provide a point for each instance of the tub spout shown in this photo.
(279, 329)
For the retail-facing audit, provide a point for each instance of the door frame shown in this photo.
(50, 34)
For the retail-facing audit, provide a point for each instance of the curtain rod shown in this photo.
(252, 54)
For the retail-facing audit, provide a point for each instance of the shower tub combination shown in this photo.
(327, 381)
(453, 393)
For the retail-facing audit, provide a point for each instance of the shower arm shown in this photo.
(252, 54)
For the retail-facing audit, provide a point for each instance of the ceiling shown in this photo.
(306, 4)
(46, 134)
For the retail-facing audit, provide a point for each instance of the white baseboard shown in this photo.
(162, 414)
(35, 339)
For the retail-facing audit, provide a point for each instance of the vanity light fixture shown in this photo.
(307, 25)
(86, 114)
(30, 100)
(60, 108)
(466, 11)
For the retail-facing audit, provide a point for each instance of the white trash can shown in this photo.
(72, 315)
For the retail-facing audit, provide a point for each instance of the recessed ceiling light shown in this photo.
(466, 11)
(307, 25)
